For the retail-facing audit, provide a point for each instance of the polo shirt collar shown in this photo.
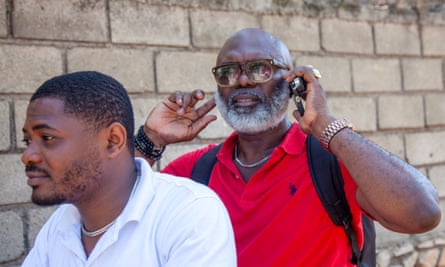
(293, 143)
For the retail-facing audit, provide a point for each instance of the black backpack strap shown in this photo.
(329, 185)
(204, 165)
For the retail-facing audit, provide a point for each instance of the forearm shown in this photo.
(392, 191)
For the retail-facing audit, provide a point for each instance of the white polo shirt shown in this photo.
(168, 221)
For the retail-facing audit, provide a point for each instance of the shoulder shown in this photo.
(181, 186)
(183, 165)
(60, 220)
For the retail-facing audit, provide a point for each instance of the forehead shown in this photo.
(50, 112)
(248, 46)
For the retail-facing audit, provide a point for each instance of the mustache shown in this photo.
(34, 168)
(243, 91)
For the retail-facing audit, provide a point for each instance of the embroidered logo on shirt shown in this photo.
(292, 189)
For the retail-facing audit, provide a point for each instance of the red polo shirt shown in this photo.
(277, 216)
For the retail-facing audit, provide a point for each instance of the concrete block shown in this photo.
(384, 236)
(5, 126)
(3, 23)
(425, 148)
(20, 115)
(335, 71)
(14, 188)
(435, 109)
(397, 39)
(142, 106)
(410, 259)
(298, 33)
(383, 258)
(390, 142)
(185, 71)
(37, 217)
(441, 261)
(433, 38)
(60, 20)
(437, 176)
(11, 236)
(400, 112)
(360, 110)
(422, 74)
(376, 75)
(132, 67)
(137, 22)
(24, 68)
(404, 249)
(428, 258)
(346, 36)
(212, 28)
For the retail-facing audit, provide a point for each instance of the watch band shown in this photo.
(332, 129)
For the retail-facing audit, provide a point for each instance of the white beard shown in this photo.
(266, 115)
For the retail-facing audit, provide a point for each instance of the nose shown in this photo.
(244, 80)
(31, 155)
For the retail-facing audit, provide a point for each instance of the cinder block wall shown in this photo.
(382, 64)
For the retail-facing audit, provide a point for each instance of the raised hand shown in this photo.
(176, 118)
(316, 116)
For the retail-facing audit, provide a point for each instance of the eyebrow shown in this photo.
(39, 127)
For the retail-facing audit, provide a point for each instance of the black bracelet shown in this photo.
(146, 146)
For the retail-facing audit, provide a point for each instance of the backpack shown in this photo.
(328, 182)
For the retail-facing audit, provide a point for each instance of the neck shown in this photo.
(264, 140)
(109, 201)
(252, 149)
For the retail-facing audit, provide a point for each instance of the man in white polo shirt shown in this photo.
(115, 211)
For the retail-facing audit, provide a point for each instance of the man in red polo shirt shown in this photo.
(262, 172)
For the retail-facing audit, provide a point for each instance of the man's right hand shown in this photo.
(176, 119)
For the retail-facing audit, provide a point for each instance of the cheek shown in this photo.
(273, 86)
(224, 93)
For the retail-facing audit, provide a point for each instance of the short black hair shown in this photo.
(93, 97)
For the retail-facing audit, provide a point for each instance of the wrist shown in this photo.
(147, 147)
(333, 129)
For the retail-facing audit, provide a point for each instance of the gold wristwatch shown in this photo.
(332, 129)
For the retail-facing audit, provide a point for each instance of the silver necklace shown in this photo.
(98, 231)
(261, 161)
(106, 227)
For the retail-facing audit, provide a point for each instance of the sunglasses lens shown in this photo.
(259, 71)
(227, 75)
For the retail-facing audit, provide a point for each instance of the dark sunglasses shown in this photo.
(258, 71)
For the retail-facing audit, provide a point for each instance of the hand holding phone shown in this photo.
(298, 91)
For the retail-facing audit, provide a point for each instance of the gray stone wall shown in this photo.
(382, 64)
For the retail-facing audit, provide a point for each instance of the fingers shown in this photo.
(206, 107)
(202, 123)
(185, 100)
(308, 72)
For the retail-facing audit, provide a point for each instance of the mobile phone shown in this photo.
(298, 91)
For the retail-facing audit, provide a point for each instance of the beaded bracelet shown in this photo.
(146, 146)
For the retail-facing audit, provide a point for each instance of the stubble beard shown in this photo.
(81, 176)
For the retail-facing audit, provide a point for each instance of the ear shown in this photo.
(116, 138)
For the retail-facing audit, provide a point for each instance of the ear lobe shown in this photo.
(117, 139)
